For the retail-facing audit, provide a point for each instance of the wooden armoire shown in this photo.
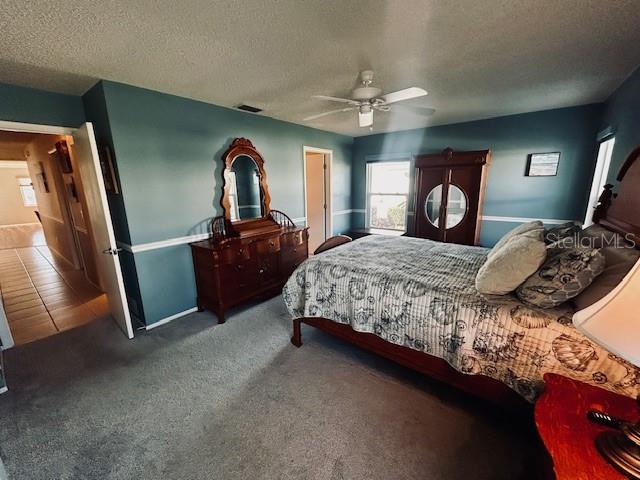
(450, 185)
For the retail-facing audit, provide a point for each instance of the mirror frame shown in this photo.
(243, 146)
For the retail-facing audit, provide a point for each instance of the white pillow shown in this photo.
(520, 229)
(517, 259)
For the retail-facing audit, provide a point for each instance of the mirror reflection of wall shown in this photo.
(245, 197)
(432, 205)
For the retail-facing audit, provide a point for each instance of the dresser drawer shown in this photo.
(294, 238)
(242, 276)
(268, 246)
(235, 254)
(269, 268)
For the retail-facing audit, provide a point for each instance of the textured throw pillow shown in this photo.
(512, 264)
(595, 236)
(618, 262)
(562, 277)
(519, 230)
(566, 230)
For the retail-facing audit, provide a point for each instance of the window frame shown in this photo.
(370, 164)
(22, 186)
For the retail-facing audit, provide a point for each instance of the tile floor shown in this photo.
(42, 295)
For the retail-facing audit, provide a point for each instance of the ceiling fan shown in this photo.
(367, 98)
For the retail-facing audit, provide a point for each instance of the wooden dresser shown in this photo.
(253, 250)
(233, 270)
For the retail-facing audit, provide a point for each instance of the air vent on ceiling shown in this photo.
(249, 108)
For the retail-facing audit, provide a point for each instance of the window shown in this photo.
(605, 151)
(387, 195)
(27, 192)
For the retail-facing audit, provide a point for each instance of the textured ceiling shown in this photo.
(477, 59)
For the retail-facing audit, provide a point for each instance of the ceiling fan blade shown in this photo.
(336, 99)
(365, 119)
(424, 111)
(406, 94)
(331, 112)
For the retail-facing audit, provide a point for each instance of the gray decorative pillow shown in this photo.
(512, 264)
(618, 262)
(519, 230)
(554, 234)
(562, 277)
(595, 236)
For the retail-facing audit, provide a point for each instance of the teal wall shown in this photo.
(571, 131)
(622, 116)
(95, 108)
(27, 105)
(168, 152)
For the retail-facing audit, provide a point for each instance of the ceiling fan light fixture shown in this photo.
(365, 118)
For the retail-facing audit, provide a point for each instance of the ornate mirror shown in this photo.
(245, 194)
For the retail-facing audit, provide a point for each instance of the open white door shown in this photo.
(86, 154)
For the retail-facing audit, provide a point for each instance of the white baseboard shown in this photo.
(164, 321)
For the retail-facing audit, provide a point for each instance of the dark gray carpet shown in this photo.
(193, 400)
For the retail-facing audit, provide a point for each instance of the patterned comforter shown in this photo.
(421, 294)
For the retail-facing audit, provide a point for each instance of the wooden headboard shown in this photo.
(620, 212)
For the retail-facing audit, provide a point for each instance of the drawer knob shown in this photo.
(271, 244)
(295, 250)
(261, 270)
(240, 267)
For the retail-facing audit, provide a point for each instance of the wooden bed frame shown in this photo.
(619, 213)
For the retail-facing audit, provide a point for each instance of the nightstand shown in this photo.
(561, 420)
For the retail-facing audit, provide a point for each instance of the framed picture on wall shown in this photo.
(543, 164)
(108, 170)
(41, 180)
(63, 157)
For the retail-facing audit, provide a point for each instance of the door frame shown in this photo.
(5, 331)
(599, 177)
(35, 128)
(328, 197)
(50, 130)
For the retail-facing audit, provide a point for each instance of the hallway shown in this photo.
(42, 295)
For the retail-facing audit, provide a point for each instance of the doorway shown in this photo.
(605, 152)
(317, 194)
(55, 273)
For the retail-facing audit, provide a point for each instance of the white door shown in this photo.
(86, 154)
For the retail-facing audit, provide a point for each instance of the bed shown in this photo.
(414, 301)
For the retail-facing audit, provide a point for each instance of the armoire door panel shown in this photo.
(465, 178)
(426, 216)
